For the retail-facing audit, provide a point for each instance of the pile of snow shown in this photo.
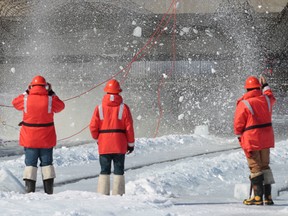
(170, 175)
(8, 182)
(201, 130)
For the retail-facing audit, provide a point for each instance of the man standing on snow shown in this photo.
(253, 126)
(37, 135)
(112, 128)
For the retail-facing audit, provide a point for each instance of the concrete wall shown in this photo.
(208, 6)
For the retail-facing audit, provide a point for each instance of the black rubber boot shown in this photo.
(257, 185)
(267, 195)
(30, 186)
(48, 186)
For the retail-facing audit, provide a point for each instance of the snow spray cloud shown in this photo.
(238, 21)
(77, 44)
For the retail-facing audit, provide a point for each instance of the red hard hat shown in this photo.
(38, 80)
(113, 87)
(252, 82)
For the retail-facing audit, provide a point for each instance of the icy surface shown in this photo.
(198, 183)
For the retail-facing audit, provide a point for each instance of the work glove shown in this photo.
(50, 91)
(130, 149)
(263, 81)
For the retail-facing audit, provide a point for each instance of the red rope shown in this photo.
(2, 105)
(74, 134)
(169, 74)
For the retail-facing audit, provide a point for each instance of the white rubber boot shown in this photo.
(118, 185)
(104, 184)
(48, 175)
(30, 177)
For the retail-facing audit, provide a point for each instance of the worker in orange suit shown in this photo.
(37, 135)
(253, 126)
(112, 127)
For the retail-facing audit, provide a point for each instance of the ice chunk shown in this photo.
(195, 31)
(137, 32)
(186, 29)
(181, 116)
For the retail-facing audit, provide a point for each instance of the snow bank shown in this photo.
(202, 182)
(8, 182)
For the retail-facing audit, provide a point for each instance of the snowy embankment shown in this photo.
(170, 175)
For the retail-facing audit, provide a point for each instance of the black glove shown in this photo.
(51, 92)
(48, 86)
(49, 89)
(264, 85)
(130, 149)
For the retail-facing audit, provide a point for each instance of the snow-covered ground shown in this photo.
(174, 175)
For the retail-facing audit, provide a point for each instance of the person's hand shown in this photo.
(262, 80)
(49, 89)
(51, 93)
(130, 149)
